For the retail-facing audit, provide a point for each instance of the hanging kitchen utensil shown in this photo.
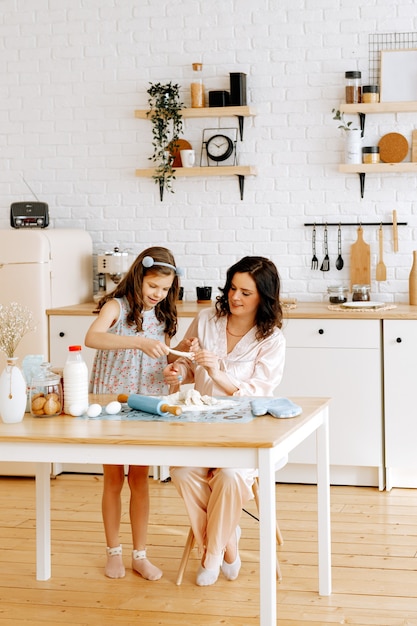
(325, 266)
(339, 261)
(314, 260)
(395, 230)
(381, 270)
(360, 261)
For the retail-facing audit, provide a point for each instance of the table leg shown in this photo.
(43, 521)
(268, 548)
(323, 506)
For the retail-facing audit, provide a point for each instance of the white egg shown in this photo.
(75, 409)
(113, 407)
(94, 410)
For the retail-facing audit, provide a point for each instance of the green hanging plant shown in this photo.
(165, 113)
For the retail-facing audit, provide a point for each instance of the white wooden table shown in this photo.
(260, 443)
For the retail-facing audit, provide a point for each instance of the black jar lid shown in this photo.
(370, 149)
(353, 74)
(370, 89)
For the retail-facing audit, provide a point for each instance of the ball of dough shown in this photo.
(113, 407)
(94, 410)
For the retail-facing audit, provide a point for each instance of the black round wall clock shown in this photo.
(219, 148)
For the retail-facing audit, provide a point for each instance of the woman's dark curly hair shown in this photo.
(266, 277)
(130, 287)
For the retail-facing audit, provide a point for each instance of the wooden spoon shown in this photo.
(381, 270)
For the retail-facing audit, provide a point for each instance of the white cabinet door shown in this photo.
(69, 330)
(400, 381)
(340, 359)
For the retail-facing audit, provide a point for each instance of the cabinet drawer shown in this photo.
(323, 333)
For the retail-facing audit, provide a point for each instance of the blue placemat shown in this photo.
(238, 411)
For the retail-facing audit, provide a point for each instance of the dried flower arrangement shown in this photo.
(16, 321)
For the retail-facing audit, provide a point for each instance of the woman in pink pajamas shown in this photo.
(239, 350)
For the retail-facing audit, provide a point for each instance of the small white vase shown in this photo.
(353, 146)
(13, 393)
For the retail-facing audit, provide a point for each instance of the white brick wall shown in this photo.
(73, 71)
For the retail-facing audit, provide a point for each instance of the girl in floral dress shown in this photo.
(131, 334)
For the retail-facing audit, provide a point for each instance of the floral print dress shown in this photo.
(130, 371)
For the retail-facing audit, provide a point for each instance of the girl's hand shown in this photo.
(172, 374)
(153, 347)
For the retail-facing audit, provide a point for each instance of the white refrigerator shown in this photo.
(43, 269)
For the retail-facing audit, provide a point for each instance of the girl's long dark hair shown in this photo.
(130, 287)
(266, 277)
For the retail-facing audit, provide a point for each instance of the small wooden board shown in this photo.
(414, 147)
(360, 261)
(393, 148)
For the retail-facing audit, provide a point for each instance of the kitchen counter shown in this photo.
(301, 310)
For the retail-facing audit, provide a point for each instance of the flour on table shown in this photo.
(192, 400)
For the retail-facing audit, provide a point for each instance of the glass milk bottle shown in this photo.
(75, 383)
(197, 87)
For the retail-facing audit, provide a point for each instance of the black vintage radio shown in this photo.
(29, 215)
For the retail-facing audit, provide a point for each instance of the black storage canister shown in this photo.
(370, 93)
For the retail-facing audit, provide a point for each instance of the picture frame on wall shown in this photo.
(398, 76)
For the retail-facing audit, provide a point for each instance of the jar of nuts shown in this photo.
(46, 393)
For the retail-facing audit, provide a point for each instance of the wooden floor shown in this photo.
(374, 546)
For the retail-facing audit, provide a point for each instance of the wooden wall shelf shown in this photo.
(373, 168)
(226, 170)
(192, 172)
(380, 107)
(244, 111)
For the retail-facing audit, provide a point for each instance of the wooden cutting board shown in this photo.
(360, 261)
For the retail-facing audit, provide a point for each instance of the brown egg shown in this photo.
(38, 403)
(51, 406)
(52, 396)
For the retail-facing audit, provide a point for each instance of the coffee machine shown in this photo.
(111, 268)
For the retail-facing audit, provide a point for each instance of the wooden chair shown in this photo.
(189, 544)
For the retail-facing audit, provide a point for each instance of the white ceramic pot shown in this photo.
(353, 146)
(13, 393)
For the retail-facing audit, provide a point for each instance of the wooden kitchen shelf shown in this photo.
(225, 170)
(374, 168)
(362, 169)
(380, 107)
(221, 170)
(238, 111)
(244, 111)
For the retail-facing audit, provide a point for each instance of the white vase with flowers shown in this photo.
(353, 139)
(15, 322)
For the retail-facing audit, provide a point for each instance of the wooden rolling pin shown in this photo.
(148, 404)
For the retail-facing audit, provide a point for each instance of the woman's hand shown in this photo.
(208, 360)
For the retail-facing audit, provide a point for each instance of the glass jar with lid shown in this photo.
(337, 294)
(197, 87)
(46, 393)
(361, 293)
(353, 87)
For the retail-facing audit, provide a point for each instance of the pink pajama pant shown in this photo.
(214, 499)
